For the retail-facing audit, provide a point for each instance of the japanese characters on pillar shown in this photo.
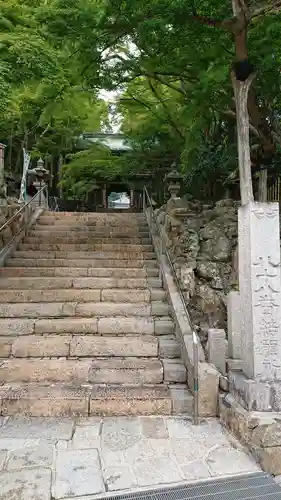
(267, 300)
(259, 280)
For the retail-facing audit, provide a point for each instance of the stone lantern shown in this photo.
(174, 179)
(38, 177)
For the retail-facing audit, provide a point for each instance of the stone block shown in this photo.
(5, 346)
(117, 273)
(86, 436)
(35, 283)
(154, 428)
(152, 271)
(77, 473)
(208, 390)
(270, 459)
(120, 295)
(40, 455)
(216, 349)
(233, 462)
(112, 309)
(66, 325)
(129, 401)
(259, 431)
(154, 282)
(43, 370)
(33, 430)
(16, 327)
(23, 272)
(40, 309)
(71, 295)
(52, 400)
(164, 326)
(109, 283)
(182, 399)
(31, 484)
(174, 371)
(134, 325)
(146, 346)
(37, 346)
(160, 309)
(119, 478)
(157, 294)
(99, 256)
(126, 371)
(234, 365)
(169, 347)
(251, 394)
(234, 314)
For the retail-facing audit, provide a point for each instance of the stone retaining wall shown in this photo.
(202, 241)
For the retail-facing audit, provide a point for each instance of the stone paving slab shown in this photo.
(83, 458)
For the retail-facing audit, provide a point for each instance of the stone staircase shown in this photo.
(85, 327)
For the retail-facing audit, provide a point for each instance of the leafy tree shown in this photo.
(44, 105)
(85, 168)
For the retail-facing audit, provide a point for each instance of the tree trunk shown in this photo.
(241, 90)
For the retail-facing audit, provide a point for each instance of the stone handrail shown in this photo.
(16, 226)
(189, 343)
(203, 378)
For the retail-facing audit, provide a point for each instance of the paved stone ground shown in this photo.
(42, 459)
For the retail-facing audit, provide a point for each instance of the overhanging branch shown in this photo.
(265, 8)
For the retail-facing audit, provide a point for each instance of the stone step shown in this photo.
(128, 221)
(169, 347)
(100, 216)
(88, 247)
(142, 232)
(37, 254)
(137, 325)
(96, 216)
(81, 346)
(57, 400)
(79, 237)
(57, 283)
(84, 263)
(122, 226)
(135, 371)
(83, 309)
(64, 272)
(71, 295)
(174, 371)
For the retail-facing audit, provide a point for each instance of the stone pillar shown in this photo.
(3, 187)
(132, 198)
(104, 197)
(234, 324)
(259, 281)
(259, 387)
(216, 349)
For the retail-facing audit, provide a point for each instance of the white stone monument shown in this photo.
(259, 387)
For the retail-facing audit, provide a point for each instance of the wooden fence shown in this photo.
(274, 191)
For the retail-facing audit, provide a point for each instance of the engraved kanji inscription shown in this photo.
(267, 275)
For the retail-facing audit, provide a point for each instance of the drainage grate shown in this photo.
(257, 486)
